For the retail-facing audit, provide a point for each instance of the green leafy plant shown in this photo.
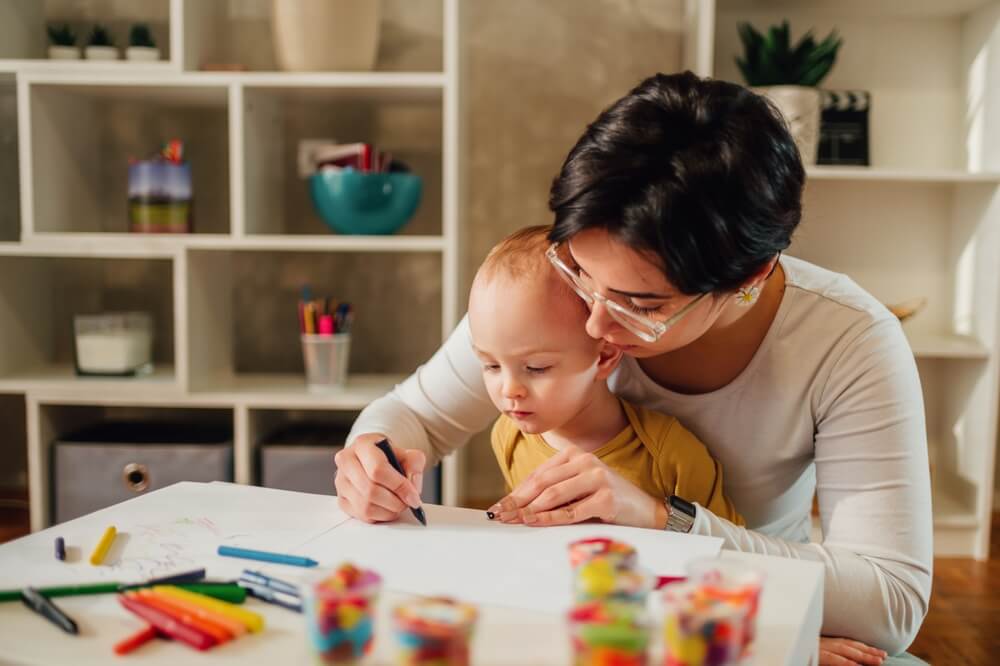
(772, 60)
(100, 37)
(140, 35)
(62, 35)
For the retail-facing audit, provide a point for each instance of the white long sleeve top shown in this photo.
(830, 402)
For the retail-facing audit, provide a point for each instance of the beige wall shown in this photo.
(534, 73)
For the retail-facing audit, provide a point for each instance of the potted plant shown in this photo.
(141, 46)
(789, 75)
(100, 46)
(317, 35)
(63, 45)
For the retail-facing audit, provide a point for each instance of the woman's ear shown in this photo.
(608, 358)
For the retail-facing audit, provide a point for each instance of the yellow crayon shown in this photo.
(103, 546)
(253, 621)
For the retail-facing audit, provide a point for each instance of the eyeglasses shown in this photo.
(643, 327)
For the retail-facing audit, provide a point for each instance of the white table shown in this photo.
(788, 624)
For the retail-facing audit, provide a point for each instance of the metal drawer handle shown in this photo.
(136, 477)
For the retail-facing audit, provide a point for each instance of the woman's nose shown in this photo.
(599, 322)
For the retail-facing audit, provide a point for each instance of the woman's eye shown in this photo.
(643, 311)
(537, 370)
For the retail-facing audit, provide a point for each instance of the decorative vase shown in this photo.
(317, 35)
(101, 53)
(142, 53)
(64, 53)
(800, 106)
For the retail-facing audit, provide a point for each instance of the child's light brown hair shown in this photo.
(520, 256)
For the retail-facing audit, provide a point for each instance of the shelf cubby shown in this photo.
(10, 172)
(243, 329)
(405, 121)
(82, 136)
(241, 34)
(39, 297)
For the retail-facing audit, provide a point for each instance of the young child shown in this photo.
(549, 380)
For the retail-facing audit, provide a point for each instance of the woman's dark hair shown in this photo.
(700, 174)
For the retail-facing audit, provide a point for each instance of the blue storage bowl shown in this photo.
(352, 202)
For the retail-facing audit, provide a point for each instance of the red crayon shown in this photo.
(166, 624)
(137, 639)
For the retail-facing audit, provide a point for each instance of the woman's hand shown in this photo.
(368, 488)
(845, 652)
(574, 486)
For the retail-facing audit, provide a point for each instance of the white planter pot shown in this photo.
(323, 35)
(142, 53)
(800, 106)
(101, 53)
(64, 53)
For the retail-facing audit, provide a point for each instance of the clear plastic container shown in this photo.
(733, 583)
(434, 632)
(114, 344)
(326, 358)
(339, 609)
(701, 630)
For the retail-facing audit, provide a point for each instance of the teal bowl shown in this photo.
(352, 202)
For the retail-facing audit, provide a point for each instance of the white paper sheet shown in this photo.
(463, 555)
(175, 529)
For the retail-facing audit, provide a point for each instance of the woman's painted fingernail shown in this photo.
(495, 509)
(490, 515)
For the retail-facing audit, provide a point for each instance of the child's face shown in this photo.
(539, 364)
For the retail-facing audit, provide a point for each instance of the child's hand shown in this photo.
(368, 488)
(573, 486)
(845, 652)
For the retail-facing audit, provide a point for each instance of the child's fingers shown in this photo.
(348, 500)
(378, 470)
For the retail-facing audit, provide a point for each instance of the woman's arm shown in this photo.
(874, 495)
(426, 417)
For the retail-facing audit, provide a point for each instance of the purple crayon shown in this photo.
(60, 549)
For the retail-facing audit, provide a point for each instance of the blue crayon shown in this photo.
(265, 556)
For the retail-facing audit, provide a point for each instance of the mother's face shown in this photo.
(623, 275)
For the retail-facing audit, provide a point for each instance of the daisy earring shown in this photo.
(747, 296)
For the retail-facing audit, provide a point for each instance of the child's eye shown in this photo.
(490, 367)
(538, 371)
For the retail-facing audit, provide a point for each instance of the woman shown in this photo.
(671, 213)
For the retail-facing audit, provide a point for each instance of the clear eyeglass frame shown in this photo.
(644, 327)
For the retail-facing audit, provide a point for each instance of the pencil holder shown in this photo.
(608, 632)
(326, 358)
(339, 607)
(700, 630)
(116, 344)
(159, 197)
(732, 583)
(434, 632)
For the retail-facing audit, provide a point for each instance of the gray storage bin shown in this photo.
(113, 462)
(300, 457)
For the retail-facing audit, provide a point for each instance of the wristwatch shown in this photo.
(680, 514)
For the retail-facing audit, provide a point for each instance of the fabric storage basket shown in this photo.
(112, 462)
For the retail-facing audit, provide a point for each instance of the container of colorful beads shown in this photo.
(622, 554)
(699, 629)
(607, 569)
(732, 583)
(339, 607)
(434, 632)
(608, 633)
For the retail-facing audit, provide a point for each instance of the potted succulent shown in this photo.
(789, 75)
(100, 46)
(141, 46)
(63, 46)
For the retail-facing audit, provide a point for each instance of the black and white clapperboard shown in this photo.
(843, 135)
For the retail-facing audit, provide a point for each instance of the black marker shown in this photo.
(36, 602)
(418, 513)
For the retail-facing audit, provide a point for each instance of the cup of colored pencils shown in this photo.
(325, 331)
(339, 607)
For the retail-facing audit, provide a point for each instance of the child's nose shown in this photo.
(512, 388)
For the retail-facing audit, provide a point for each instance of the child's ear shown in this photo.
(608, 358)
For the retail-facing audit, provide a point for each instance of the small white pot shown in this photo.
(101, 53)
(64, 53)
(325, 35)
(142, 53)
(800, 105)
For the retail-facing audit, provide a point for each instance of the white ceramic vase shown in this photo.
(64, 53)
(142, 53)
(800, 105)
(325, 35)
(101, 53)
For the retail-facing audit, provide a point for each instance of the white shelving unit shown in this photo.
(923, 219)
(77, 124)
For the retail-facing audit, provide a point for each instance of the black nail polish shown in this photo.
(491, 515)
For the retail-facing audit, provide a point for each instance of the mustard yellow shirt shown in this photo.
(654, 452)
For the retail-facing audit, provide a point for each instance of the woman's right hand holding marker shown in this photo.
(369, 489)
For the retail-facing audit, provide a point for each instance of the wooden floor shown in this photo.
(962, 627)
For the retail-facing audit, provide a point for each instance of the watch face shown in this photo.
(683, 505)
